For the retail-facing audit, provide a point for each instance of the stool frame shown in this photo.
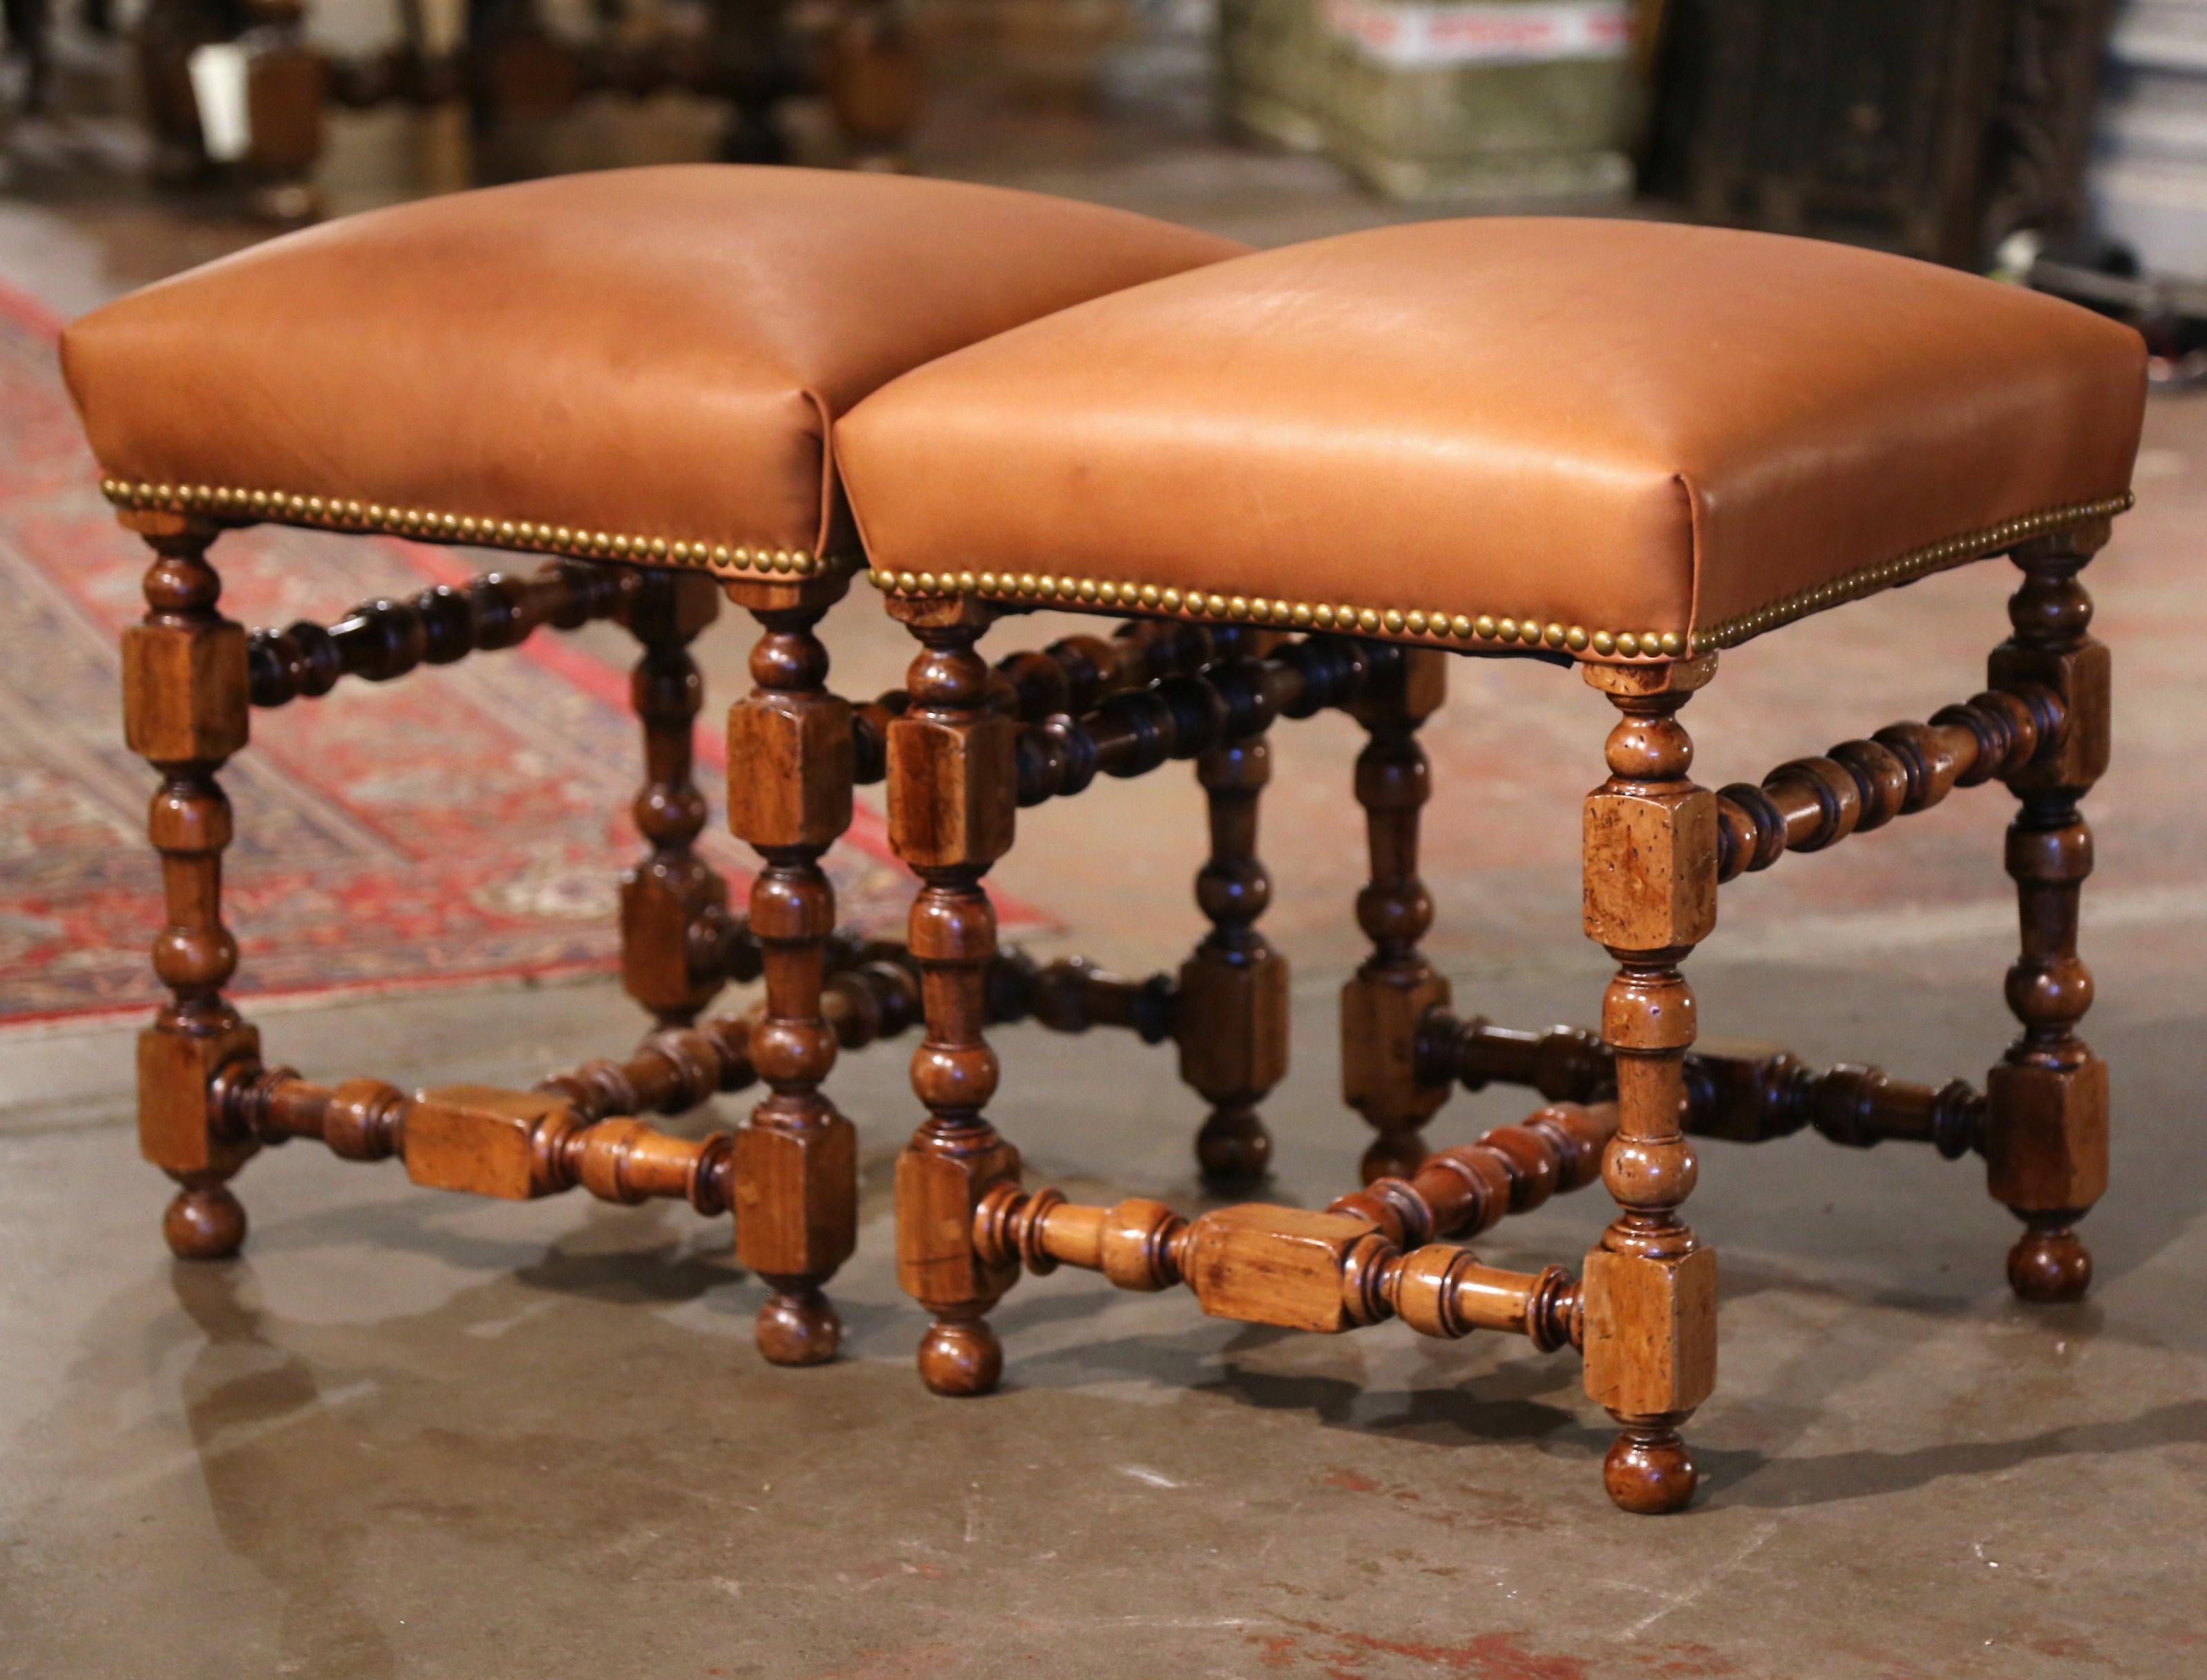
(1656, 849)
(208, 1100)
(961, 749)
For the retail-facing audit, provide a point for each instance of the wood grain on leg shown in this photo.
(1233, 1020)
(791, 770)
(665, 894)
(1650, 896)
(1386, 1000)
(2046, 1121)
(185, 708)
(951, 794)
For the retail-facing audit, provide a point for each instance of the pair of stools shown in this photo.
(1303, 479)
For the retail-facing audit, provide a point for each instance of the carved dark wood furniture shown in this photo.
(634, 373)
(1624, 447)
(756, 54)
(1938, 126)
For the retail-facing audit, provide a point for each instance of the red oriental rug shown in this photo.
(462, 825)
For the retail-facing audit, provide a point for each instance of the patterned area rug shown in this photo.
(460, 825)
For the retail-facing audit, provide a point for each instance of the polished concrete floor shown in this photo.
(410, 1434)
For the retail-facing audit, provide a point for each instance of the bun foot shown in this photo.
(1234, 1149)
(1650, 1472)
(1394, 1157)
(2049, 1264)
(798, 1327)
(959, 1357)
(204, 1222)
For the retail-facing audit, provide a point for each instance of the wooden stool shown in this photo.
(635, 372)
(1616, 445)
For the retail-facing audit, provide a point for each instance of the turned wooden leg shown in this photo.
(1651, 895)
(664, 897)
(2045, 1117)
(791, 770)
(1233, 1027)
(952, 796)
(1384, 1002)
(184, 709)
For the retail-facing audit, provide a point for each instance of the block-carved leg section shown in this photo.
(791, 773)
(1387, 999)
(2046, 1137)
(951, 801)
(184, 706)
(672, 889)
(1233, 1022)
(1649, 1286)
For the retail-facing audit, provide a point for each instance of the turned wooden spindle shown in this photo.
(1806, 805)
(185, 685)
(1466, 1190)
(952, 807)
(578, 1129)
(1233, 1022)
(1369, 1257)
(482, 1141)
(1444, 1291)
(1753, 1098)
(1134, 730)
(1072, 995)
(2046, 1120)
(791, 771)
(1070, 677)
(1743, 1094)
(1385, 1002)
(1563, 1063)
(1650, 867)
(671, 1073)
(1077, 673)
(381, 640)
(668, 965)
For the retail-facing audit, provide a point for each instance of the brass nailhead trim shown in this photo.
(1485, 629)
(1918, 563)
(332, 513)
(1530, 631)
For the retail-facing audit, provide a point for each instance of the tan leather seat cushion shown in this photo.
(1602, 426)
(654, 352)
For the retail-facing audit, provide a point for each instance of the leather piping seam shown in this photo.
(1498, 633)
(528, 536)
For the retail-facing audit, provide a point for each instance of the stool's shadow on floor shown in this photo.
(1759, 1480)
(1505, 1393)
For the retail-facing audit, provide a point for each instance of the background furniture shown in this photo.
(753, 54)
(1939, 127)
(1420, 102)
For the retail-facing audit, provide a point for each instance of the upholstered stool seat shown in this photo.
(1607, 437)
(1622, 445)
(641, 363)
